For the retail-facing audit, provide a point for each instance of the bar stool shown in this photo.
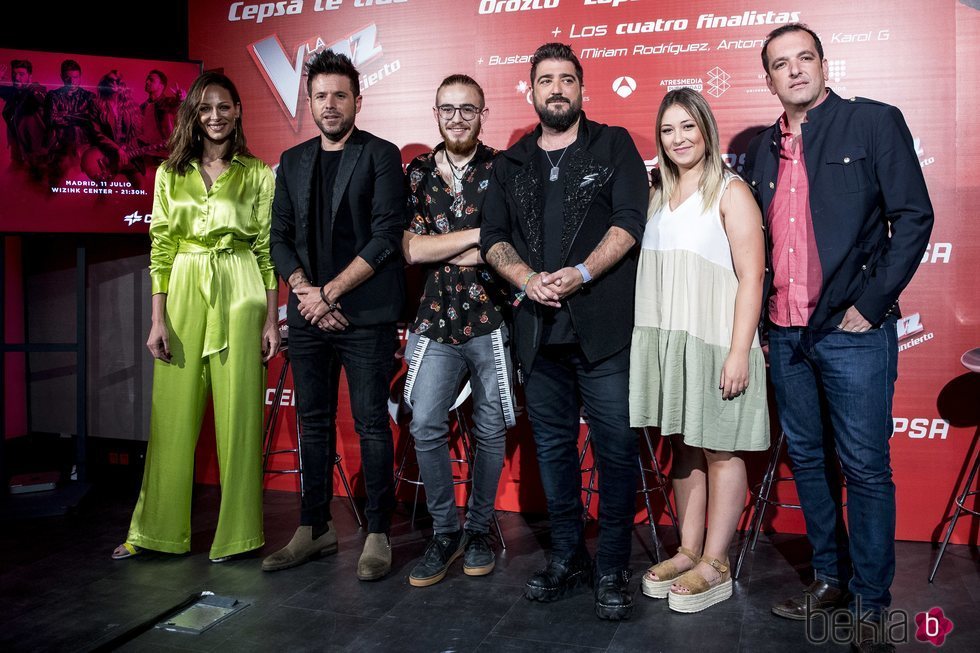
(270, 434)
(660, 484)
(464, 456)
(763, 494)
(971, 361)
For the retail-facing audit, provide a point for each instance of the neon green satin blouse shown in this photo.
(236, 212)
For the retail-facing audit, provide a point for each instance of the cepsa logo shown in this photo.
(136, 218)
(920, 428)
(508, 6)
(285, 75)
(937, 253)
(259, 12)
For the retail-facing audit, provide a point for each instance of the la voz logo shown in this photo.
(284, 75)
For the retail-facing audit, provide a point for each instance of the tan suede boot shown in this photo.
(302, 548)
(375, 560)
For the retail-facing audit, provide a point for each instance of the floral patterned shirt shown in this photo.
(458, 302)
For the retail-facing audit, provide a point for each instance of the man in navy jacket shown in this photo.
(848, 218)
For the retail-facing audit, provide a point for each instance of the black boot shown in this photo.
(613, 598)
(561, 576)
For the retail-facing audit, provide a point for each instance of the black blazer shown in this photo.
(870, 207)
(605, 186)
(370, 182)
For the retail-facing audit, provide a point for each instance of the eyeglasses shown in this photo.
(466, 111)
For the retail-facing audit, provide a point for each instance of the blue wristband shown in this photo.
(586, 277)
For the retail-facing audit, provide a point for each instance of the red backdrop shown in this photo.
(633, 51)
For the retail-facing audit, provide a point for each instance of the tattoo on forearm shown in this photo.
(296, 278)
(503, 255)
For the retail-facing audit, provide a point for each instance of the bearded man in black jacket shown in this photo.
(564, 212)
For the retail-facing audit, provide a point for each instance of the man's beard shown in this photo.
(337, 133)
(559, 121)
(463, 147)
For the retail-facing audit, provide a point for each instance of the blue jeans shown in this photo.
(559, 375)
(437, 371)
(367, 355)
(834, 391)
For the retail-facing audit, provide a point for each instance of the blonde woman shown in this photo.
(214, 323)
(696, 368)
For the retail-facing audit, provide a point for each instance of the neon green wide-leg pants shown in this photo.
(216, 307)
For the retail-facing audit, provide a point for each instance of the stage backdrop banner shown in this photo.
(82, 138)
(634, 51)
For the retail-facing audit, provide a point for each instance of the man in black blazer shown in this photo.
(337, 223)
(848, 217)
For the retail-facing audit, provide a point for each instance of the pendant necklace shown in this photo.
(553, 176)
(457, 205)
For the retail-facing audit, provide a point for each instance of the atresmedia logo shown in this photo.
(844, 626)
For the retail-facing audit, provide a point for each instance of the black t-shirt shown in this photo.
(557, 322)
(334, 245)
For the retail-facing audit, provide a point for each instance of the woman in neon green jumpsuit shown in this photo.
(215, 321)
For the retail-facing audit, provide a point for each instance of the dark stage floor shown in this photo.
(59, 591)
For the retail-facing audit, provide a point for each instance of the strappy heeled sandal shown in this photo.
(665, 572)
(126, 550)
(701, 594)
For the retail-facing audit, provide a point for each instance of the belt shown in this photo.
(216, 331)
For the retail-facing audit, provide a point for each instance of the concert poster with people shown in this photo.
(634, 51)
(82, 137)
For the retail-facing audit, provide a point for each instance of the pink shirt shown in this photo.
(797, 276)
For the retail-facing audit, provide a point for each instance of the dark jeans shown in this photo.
(560, 375)
(834, 391)
(367, 355)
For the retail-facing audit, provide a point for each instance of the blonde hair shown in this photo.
(712, 180)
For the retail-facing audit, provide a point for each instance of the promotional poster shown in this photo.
(82, 137)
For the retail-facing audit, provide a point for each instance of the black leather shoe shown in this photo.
(819, 596)
(561, 576)
(613, 599)
(441, 552)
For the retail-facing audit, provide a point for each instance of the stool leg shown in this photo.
(299, 453)
(757, 511)
(960, 500)
(401, 464)
(765, 490)
(590, 488)
(350, 495)
(415, 503)
(270, 424)
(663, 482)
(645, 489)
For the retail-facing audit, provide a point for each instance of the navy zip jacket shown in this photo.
(871, 211)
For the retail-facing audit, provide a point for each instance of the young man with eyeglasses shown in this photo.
(565, 210)
(459, 331)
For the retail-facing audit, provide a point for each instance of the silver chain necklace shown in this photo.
(553, 176)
